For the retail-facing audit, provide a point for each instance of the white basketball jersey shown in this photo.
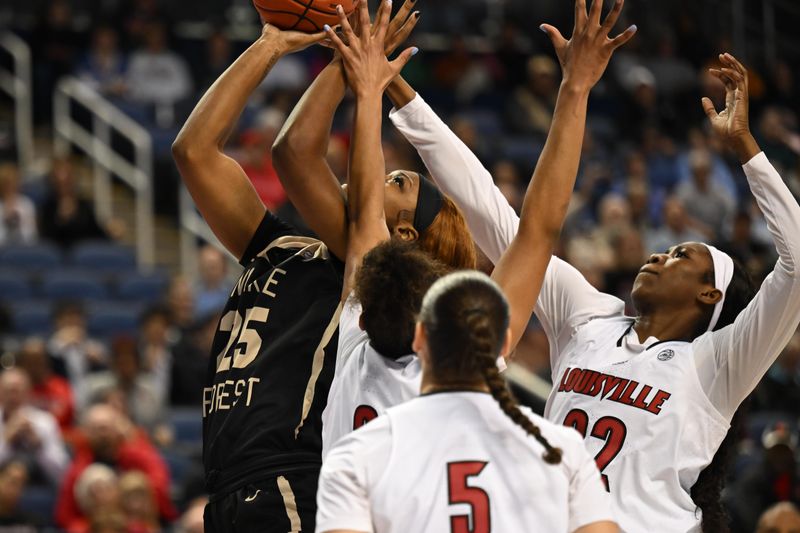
(365, 383)
(645, 419)
(454, 462)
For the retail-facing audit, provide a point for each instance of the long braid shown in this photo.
(510, 407)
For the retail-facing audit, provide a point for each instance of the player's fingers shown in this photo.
(394, 39)
(378, 14)
(580, 15)
(401, 17)
(708, 107)
(404, 57)
(347, 30)
(741, 68)
(363, 19)
(594, 12)
(336, 41)
(555, 36)
(733, 74)
(721, 76)
(612, 17)
(623, 37)
(383, 20)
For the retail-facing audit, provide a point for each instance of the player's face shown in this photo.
(674, 278)
(402, 188)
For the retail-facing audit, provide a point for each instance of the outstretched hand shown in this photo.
(364, 56)
(733, 121)
(585, 56)
(290, 41)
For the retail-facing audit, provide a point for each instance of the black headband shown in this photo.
(429, 203)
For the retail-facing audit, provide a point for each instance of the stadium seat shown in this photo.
(486, 122)
(142, 287)
(38, 502)
(178, 464)
(107, 319)
(188, 425)
(521, 150)
(14, 285)
(31, 317)
(73, 285)
(31, 258)
(104, 257)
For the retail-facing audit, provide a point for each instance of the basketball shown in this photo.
(308, 16)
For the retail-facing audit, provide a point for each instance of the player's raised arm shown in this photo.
(368, 73)
(583, 59)
(217, 183)
(300, 148)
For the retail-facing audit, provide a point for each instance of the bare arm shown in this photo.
(300, 149)
(217, 183)
(368, 73)
(521, 269)
(599, 527)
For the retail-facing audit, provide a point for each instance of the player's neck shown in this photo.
(665, 326)
(429, 386)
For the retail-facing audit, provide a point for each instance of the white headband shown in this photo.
(723, 273)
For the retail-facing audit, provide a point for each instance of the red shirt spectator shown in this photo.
(111, 439)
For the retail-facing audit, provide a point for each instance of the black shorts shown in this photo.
(279, 504)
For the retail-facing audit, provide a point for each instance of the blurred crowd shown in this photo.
(88, 418)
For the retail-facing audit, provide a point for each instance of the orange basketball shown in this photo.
(308, 16)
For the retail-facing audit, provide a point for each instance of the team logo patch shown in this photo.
(665, 355)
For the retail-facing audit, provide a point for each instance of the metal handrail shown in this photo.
(138, 175)
(19, 86)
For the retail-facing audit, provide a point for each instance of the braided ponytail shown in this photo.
(466, 316)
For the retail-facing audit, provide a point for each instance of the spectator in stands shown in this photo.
(104, 65)
(780, 144)
(156, 345)
(140, 397)
(190, 363)
(772, 480)
(17, 212)
(629, 255)
(180, 301)
(779, 390)
(13, 479)
(506, 177)
(754, 255)
(29, 434)
(218, 58)
(75, 354)
(704, 200)
(192, 519)
(66, 217)
(138, 503)
(112, 440)
(531, 108)
(50, 392)
(676, 227)
(782, 517)
(97, 493)
(158, 76)
(213, 288)
(255, 156)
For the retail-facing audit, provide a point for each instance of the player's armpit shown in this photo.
(599, 527)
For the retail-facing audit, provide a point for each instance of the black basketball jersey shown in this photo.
(272, 360)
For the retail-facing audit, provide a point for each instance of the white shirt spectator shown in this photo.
(40, 439)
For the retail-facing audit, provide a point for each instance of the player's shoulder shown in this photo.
(359, 445)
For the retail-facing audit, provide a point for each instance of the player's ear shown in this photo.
(405, 231)
(361, 321)
(709, 296)
(505, 350)
(420, 341)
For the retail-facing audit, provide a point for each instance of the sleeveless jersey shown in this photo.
(645, 418)
(454, 462)
(272, 360)
(366, 383)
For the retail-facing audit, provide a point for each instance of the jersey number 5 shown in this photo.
(459, 492)
(609, 428)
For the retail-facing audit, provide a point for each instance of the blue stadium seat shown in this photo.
(73, 285)
(487, 123)
(178, 464)
(38, 502)
(31, 317)
(31, 258)
(104, 257)
(107, 319)
(14, 285)
(188, 425)
(521, 150)
(143, 287)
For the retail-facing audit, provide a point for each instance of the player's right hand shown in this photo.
(585, 56)
(288, 41)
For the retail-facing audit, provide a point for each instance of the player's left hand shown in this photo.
(733, 121)
(585, 56)
(290, 41)
(367, 69)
